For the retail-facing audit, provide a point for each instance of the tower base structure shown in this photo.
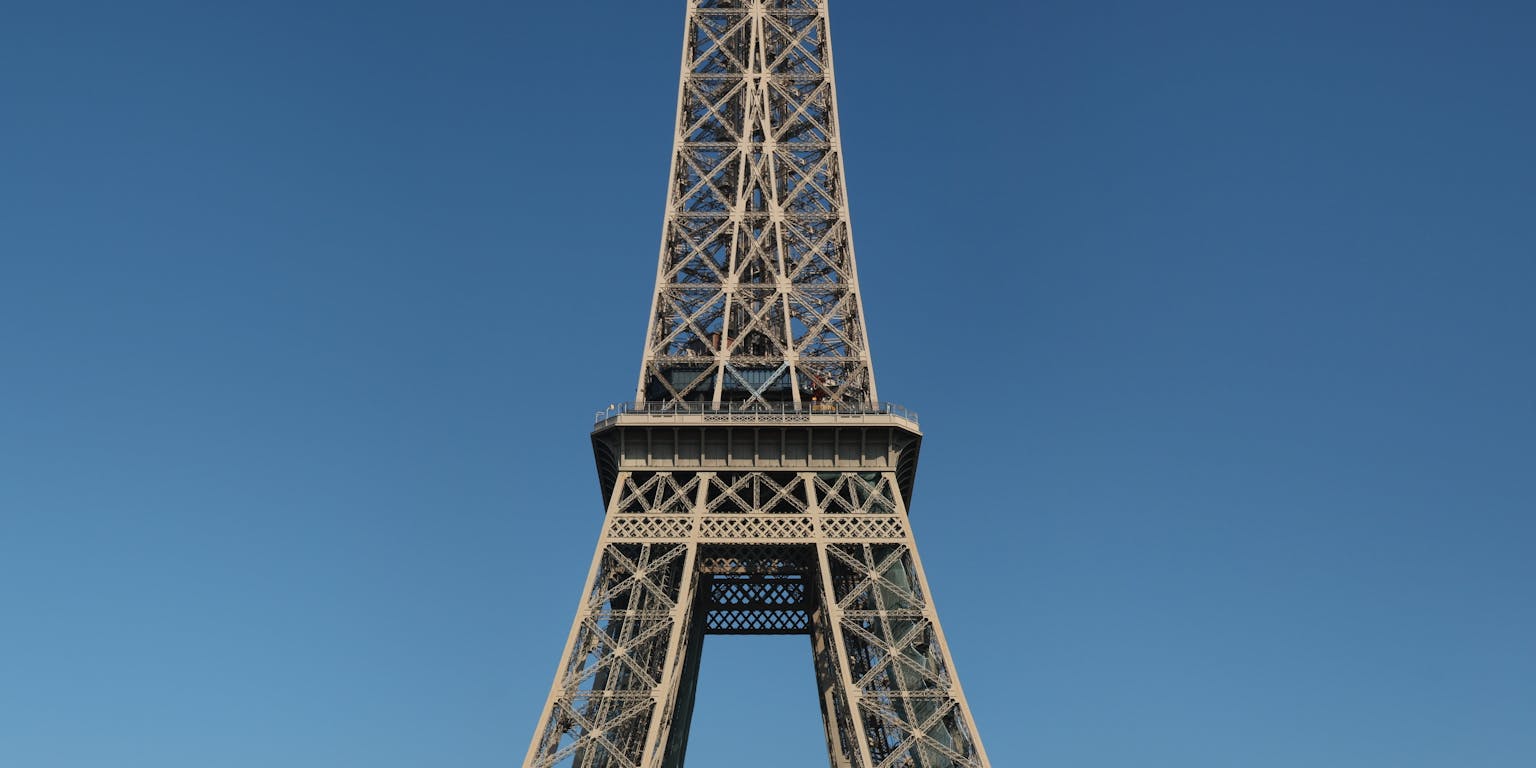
(756, 523)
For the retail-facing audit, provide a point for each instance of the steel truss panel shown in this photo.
(756, 486)
(757, 297)
(819, 551)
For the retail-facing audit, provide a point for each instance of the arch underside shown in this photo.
(825, 554)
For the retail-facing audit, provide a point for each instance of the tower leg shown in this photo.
(824, 553)
(616, 693)
(906, 705)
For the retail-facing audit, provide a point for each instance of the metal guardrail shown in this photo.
(753, 411)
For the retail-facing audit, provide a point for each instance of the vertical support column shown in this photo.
(961, 726)
(966, 725)
(547, 736)
(905, 702)
(676, 744)
(677, 673)
(839, 689)
(835, 714)
(614, 696)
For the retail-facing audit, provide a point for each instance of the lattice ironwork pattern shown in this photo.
(757, 590)
(841, 569)
(863, 528)
(755, 528)
(792, 522)
(617, 659)
(866, 493)
(649, 527)
(913, 714)
(757, 297)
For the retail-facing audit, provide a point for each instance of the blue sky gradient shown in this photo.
(1219, 316)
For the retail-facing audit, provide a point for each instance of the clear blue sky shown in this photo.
(1219, 316)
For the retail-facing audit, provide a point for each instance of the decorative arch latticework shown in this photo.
(823, 554)
(757, 300)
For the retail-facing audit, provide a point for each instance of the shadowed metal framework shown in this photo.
(756, 485)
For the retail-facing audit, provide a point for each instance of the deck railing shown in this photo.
(754, 411)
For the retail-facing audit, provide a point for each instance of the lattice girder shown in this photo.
(757, 297)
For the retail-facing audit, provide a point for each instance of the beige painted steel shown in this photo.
(840, 530)
(757, 297)
(756, 485)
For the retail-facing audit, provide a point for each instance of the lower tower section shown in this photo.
(755, 523)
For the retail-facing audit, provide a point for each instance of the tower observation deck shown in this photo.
(756, 484)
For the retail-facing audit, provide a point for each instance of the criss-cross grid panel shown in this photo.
(757, 590)
(826, 554)
(908, 700)
(757, 298)
(768, 492)
(856, 493)
(658, 492)
(604, 702)
(740, 604)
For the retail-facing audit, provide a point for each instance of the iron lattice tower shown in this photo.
(756, 485)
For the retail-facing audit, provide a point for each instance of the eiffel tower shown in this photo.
(756, 485)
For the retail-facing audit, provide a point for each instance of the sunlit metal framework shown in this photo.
(756, 485)
(757, 298)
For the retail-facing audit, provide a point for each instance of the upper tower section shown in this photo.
(757, 298)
